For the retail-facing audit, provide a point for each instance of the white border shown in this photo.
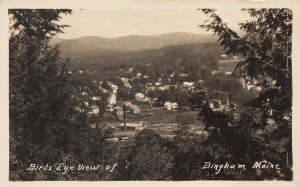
(133, 4)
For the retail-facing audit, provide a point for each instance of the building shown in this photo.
(135, 109)
(161, 88)
(170, 106)
(93, 126)
(124, 80)
(127, 103)
(183, 75)
(109, 108)
(188, 84)
(215, 72)
(96, 98)
(131, 126)
(127, 85)
(148, 84)
(79, 109)
(138, 74)
(233, 105)
(130, 70)
(150, 88)
(147, 99)
(166, 87)
(215, 104)
(112, 99)
(139, 97)
(119, 112)
(94, 109)
(114, 88)
(249, 86)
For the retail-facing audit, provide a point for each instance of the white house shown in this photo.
(166, 87)
(112, 99)
(130, 70)
(258, 88)
(146, 99)
(139, 97)
(162, 88)
(188, 84)
(249, 86)
(135, 109)
(94, 109)
(96, 98)
(183, 75)
(127, 103)
(138, 74)
(114, 88)
(151, 88)
(170, 106)
(127, 85)
(123, 79)
(215, 72)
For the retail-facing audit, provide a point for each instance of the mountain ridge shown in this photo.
(131, 42)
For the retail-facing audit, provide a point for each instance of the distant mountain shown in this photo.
(129, 43)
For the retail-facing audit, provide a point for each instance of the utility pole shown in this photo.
(124, 116)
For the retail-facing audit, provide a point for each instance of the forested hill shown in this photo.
(203, 53)
(132, 42)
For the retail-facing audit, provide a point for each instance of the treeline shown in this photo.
(183, 58)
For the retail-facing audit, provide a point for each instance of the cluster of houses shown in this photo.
(250, 84)
(117, 107)
(190, 86)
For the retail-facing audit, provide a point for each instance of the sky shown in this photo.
(123, 22)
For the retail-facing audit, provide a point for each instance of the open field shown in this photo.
(159, 115)
(228, 65)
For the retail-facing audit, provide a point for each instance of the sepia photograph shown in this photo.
(196, 94)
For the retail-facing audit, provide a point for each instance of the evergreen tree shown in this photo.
(38, 91)
(265, 122)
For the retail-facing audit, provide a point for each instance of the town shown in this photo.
(135, 101)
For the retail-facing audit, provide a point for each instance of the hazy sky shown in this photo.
(123, 22)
